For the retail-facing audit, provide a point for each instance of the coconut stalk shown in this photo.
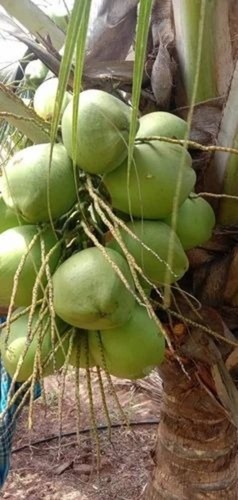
(34, 20)
(195, 453)
(226, 165)
(228, 208)
(203, 26)
(205, 54)
(195, 25)
(195, 43)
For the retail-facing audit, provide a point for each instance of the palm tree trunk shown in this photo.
(195, 455)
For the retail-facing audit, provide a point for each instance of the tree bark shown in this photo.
(195, 454)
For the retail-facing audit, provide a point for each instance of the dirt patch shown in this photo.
(67, 469)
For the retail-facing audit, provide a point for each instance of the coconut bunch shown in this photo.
(82, 246)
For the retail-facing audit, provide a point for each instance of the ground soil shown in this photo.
(67, 469)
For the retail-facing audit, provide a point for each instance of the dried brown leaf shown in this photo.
(162, 78)
(231, 285)
(162, 26)
(210, 280)
(226, 390)
(83, 468)
(111, 30)
(232, 360)
(62, 467)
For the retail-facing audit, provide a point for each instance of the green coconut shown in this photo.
(131, 350)
(158, 237)
(163, 124)
(14, 244)
(81, 356)
(45, 98)
(12, 347)
(35, 72)
(89, 294)
(195, 222)
(103, 131)
(28, 179)
(8, 218)
(149, 189)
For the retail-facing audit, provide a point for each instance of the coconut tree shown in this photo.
(176, 56)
